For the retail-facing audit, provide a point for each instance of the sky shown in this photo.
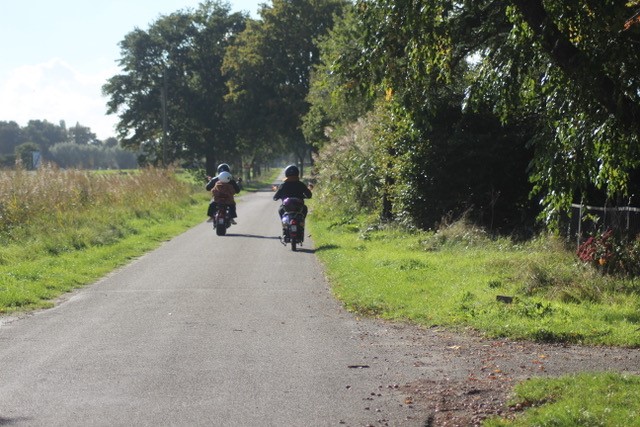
(55, 55)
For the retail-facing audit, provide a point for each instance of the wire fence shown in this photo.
(584, 220)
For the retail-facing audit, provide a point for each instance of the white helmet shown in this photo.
(224, 177)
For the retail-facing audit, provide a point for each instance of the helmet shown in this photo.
(292, 170)
(224, 177)
(223, 167)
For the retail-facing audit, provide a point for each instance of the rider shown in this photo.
(223, 193)
(222, 167)
(211, 210)
(292, 187)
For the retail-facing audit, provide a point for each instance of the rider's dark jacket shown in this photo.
(292, 187)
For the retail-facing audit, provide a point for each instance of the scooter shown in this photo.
(222, 219)
(293, 222)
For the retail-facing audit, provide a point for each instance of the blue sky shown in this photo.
(55, 55)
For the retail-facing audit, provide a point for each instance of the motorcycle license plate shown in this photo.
(294, 227)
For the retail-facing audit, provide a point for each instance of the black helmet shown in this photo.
(223, 167)
(292, 170)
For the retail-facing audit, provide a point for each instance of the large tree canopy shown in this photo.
(335, 95)
(269, 68)
(10, 137)
(170, 94)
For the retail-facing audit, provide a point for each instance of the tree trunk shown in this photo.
(386, 214)
(210, 163)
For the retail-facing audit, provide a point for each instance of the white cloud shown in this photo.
(55, 91)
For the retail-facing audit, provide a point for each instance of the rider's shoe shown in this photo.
(233, 221)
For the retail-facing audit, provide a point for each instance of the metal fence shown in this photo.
(587, 220)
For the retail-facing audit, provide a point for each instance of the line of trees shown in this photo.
(73, 147)
(216, 85)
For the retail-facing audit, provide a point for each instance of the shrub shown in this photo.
(611, 254)
(347, 170)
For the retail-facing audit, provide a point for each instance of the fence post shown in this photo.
(579, 225)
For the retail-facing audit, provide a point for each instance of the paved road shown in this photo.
(206, 330)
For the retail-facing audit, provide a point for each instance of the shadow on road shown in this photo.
(299, 249)
(11, 421)
(326, 248)
(253, 236)
(305, 251)
(318, 249)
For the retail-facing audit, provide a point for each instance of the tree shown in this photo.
(170, 96)
(573, 36)
(269, 69)
(568, 67)
(335, 95)
(44, 134)
(10, 137)
(111, 142)
(82, 135)
(589, 95)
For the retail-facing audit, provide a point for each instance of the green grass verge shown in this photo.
(36, 273)
(578, 400)
(458, 280)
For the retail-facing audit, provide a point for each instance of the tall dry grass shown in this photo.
(51, 197)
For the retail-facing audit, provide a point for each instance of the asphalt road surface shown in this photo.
(207, 330)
